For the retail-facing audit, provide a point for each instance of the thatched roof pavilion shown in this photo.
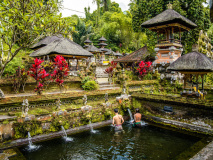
(167, 17)
(45, 41)
(193, 62)
(136, 56)
(64, 47)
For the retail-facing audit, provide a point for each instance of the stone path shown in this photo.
(67, 91)
(33, 93)
(5, 117)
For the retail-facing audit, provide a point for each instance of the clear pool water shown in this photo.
(147, 143)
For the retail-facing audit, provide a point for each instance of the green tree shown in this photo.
(25, 22)
(81, 32)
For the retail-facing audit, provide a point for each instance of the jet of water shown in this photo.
(130, 114)
(31, 146)
(65, 135)
(91, 128)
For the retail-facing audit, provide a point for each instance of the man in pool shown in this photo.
(137, 118)
(117, 121)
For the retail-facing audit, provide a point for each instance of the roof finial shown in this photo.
(169, 6)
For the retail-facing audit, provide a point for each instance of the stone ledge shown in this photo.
(205, 154)
(45, 137)
(180, 125)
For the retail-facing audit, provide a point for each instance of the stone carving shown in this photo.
(85, 99)
(2, 94)
(85, 107)
(106, 97)
(25, 107)
(58, 103)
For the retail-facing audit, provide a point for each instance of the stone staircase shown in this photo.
(100, 72)
(106, 85)
(102, 79)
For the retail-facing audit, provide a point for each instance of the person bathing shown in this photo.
(117, 121)
(137, 118)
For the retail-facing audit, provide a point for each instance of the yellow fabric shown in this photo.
(105, 61)
(199, 92)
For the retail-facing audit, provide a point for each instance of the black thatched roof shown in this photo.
(104, 50)
(62, 46)
(138, 55)
(45, 41)
(109, 51)
(117, 54)
(193, 62)
(102, 44)
(87, 41)
(102, 39)
(167, 17)
(92, 48)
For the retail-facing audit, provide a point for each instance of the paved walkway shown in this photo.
(54, 92)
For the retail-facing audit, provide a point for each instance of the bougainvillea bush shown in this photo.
(39, 74)
(60, 70)
(144, 68)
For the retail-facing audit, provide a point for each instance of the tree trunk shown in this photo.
(2, 70)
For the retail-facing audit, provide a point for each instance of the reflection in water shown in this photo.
(148, 142)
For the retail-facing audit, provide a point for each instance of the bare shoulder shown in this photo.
(120, 116)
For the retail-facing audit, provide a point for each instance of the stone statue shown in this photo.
(2, 94)
(106, 97)
(124, 88)
(25, 107)
(85, 100)
(58, 103)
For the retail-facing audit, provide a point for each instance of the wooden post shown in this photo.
(172, 34)
(184, 82)
(180, 34)
(202, 83)
(77, 65)
(197, 82)
(158, 37)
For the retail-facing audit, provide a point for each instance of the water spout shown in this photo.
(130, 114)
(65, 135)
(31, 146)
(91, 128)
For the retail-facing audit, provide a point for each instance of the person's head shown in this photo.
(116, 110)
(137, 110)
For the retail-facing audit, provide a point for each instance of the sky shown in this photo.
(71, 7)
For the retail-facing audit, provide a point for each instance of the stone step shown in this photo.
(109, 88)
(101, 76)
(106, 86)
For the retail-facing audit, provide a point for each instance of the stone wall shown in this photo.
(7, 88)
(68, 118)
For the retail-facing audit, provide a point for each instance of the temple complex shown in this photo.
(168, 25)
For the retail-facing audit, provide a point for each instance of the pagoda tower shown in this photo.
(102, 44)
(168, 25)
(87, 42)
